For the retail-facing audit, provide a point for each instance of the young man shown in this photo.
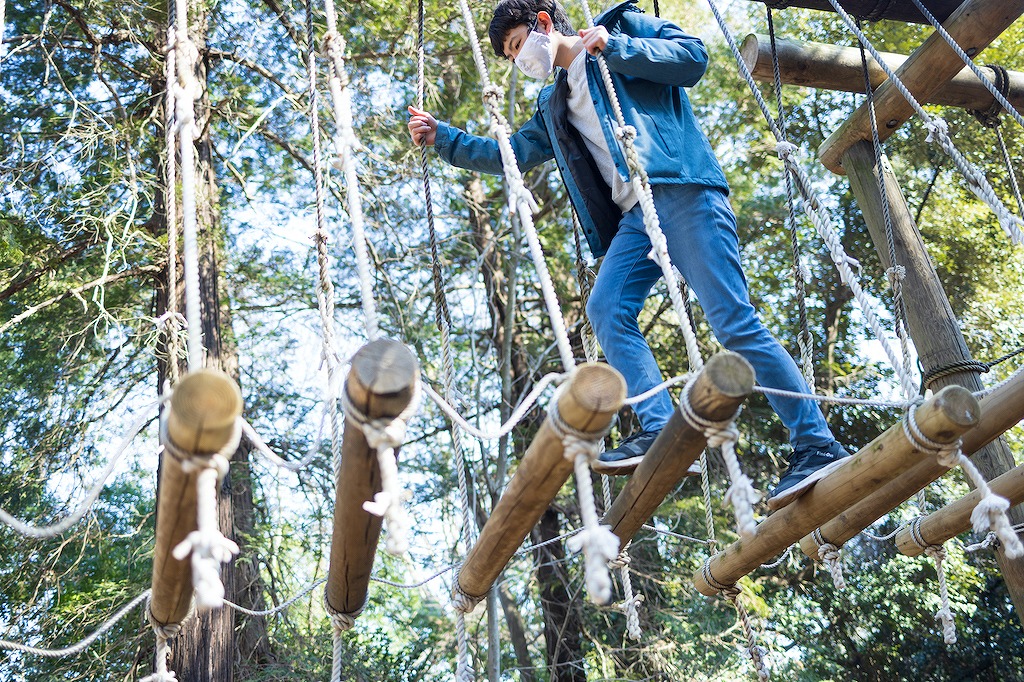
(651, 61)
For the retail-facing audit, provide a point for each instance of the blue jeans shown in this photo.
(700, 229)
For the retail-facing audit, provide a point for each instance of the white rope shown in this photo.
(517, 416)
(3, 49)
(598, 543)
(944, 614)
(626, 134)
(385, 435)
(520, 200)
(176, 321)
(346, 145)
(164, 633)
(817, 214)
(938, 130)
(263, 449)
(186, 89)
(724, 434)
(630, 602)
(55, 529)
(990, 512)
(84, 643)
(280, 607)
(991, 539)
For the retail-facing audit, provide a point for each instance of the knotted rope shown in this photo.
(164, 632)
(208, 547)
(832, 556)
(990, 512)
(944, 614)
(385, 435)
(598, 543)
(724, 434)
(630, 602)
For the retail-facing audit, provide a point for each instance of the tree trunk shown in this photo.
(561, 613)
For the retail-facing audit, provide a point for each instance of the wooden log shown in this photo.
(933, 326)
(943, 418)
(833, 67)
(974, 25)
(873, 10)
(201, 420)
(594, 394)
(381, 384)
(1000, 410)
(719, 390)
(955, 518)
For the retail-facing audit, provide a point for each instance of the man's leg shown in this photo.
(623, 281)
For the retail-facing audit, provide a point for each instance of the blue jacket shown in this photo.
(651, 61)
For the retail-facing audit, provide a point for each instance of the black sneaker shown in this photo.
(806, 467)
(624, 459)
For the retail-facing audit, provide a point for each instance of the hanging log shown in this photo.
(1000, 410)
(719, 390)
(201, 421)
(955, 518)
(381, 384)
(873, 10)
(973, 26)
(943, 418)
(832, 67)
(594, 394)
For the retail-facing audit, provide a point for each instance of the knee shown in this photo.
(599, 315)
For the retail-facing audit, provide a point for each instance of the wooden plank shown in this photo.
(943, 418)
(955, 518)
(974, 25)
(594, 394)
(873, 10)
(1000, 410)
(201, 420)
(719, 390)
(380, 384)
(833, 67)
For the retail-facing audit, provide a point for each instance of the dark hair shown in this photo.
(511, 13)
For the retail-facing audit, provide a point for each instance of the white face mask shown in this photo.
(534, 58)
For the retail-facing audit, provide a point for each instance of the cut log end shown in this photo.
(203, 411)
(383, 367)
(595, 392)
(958, 406)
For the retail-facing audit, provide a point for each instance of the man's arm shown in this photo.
(660, 53)
(474, 152)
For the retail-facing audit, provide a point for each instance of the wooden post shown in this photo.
(973, 26)
(933, 326)
(594, 394)
(1000, 410)
(719, 390)
(943, 418)
(832, 67)
(201, 420)
(955, 518)
(381, 383)
(873, 10)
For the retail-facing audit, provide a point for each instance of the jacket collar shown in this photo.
(609, 14)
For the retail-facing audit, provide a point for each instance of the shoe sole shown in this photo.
(787, 496)
(625, 467)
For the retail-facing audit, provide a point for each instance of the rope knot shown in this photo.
(896, 275)
(626, 133)
(785, 149)
(937, 128)
(832, 557)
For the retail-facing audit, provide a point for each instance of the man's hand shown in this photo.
(594, 39)
(422, 127)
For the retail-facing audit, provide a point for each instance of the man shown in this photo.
(651, 61)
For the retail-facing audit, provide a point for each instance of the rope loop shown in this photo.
(947, 454)
(944, 614)
(462, 601)
(990, 117)
(831, 555)
(340, 620)
(785, 149)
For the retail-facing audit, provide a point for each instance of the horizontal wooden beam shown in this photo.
(594, 394)
(873, 10)
(973, 26)
(719, 390)
(833, 67)
(1000, 410)
(943, 418)
(201, 421)
(955, 518)
(380, 384)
